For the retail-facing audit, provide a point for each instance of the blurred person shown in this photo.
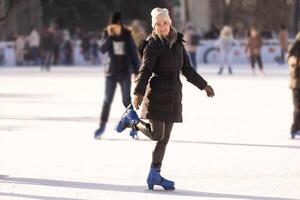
(20, 49)
(225, 45)
(266, 33)
(253, 49)
(283, 38)
(2, 55)
(212, 33)
(191, 39)
(47, 48)
(34, 41)
(86, 46)
(138, 32)
(159, 87)
(67, 49)
(294, 72)
(78, 33)
(122, 52)
(58, 37)
(239, 31)
(95, 51)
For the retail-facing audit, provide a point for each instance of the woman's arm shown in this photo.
(193, 77)
(150, 56)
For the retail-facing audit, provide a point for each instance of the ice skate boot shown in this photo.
(293, 134)
(128, 119)
(99, 132)
(220, 71)
(133, 134)
(230, 70)
(154, 178)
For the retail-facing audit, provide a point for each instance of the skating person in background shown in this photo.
(34, 40)
(94, 51)
(283, 38)
(47, 48)
(67, 49)
(164, 58)
(124, 61)
(58, 37)
(253, 48)
(20, 49)
(138, 32)
(294, 71)
(225, 44)
(191, 39)
(86, 46)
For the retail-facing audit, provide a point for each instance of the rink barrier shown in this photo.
(206, 53)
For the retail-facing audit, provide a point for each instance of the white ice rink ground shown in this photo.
(234, 146)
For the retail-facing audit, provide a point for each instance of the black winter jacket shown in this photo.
(120, 64)
(159, 79)
(294, 65)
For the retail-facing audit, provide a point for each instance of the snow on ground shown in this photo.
(233, 146)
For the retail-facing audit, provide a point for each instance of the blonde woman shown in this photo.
(294, 71)
(159, 87)
(253, 49)
(225, 43)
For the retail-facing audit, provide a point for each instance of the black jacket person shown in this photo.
(294, 72)
(159, 87)
(123, 61)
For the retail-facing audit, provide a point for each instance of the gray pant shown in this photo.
(296, 101)
(158, 131)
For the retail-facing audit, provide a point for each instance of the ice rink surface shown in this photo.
(233, 146)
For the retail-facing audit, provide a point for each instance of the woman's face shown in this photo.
(253, 33)
(162, 27)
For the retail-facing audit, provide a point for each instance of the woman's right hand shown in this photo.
(209, 91)
(137, 101)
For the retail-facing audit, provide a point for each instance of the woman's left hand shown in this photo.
(209, 91)
(137, 101)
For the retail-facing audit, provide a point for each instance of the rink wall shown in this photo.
(206, 53)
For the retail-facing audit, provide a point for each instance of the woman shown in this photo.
(294, 71)
(253, 48)
(283, 37)
(225, 44)
(191, 39)
(123, 62)
(164, 57)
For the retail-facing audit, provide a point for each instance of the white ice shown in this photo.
(233, 146)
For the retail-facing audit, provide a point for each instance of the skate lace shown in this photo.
(129, 116)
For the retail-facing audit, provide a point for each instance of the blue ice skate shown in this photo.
(133, 134)
(293, 134)
(128, 119)
(99, 132)
(154, 178)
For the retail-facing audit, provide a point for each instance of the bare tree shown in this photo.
(261, 13)
(4, 8)
(258, 13)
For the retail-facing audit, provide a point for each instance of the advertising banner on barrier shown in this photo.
(207, 53)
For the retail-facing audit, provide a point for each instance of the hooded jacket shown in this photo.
(122, 52)
(294, 65)
(159, 79)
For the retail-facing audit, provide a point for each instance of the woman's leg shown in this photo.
(160, 148)
(161, 133)
(259, 60)
(110, 87)
(125, 84)
(296, 101)
(153, 130)
(158, 131)
(229, 62)
(222, 62)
